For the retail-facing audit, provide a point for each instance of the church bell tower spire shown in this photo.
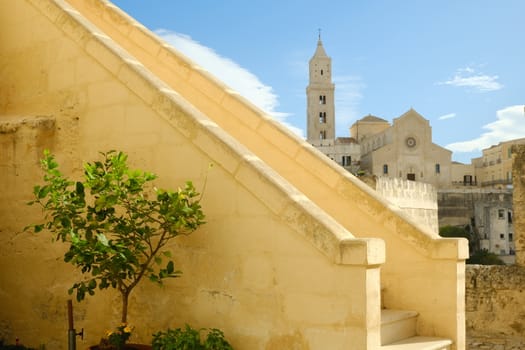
(320, 108)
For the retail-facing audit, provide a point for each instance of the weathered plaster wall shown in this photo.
(494, 307)
(417, 199)
(518, 181)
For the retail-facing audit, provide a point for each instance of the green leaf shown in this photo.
(43, 191)
(92, 284)
(170, 267)
(103, 239)
(79, 187)
(153, 278)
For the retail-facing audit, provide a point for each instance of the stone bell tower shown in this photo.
(320, 99)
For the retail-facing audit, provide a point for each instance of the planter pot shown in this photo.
(127, 347)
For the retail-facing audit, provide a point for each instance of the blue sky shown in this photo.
(459, 63)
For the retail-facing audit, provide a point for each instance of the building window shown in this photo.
(321, 72)
(509, 217)
(385, 169)
(510, 237)
(502, 236)
(322, 99)
(322, 135)
(438, 168)
(509, 152)
(501, 214)
(322, 117)
(346, 160)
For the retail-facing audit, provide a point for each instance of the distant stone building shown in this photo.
(486, 212)
(493, 218)
(404, 150)
(321, 114)
(477, 195)
(494, 168)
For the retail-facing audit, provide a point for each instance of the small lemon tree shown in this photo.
(116, 223)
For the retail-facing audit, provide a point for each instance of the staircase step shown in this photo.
(419, 343)
(397, 325)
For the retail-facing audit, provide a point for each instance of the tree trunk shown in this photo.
(125, 296)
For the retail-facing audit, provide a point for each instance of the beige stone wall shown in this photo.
(341, 195)
(494, 168)
(363, 128)
(494, 307)
(249, 270)
(458, 171)
(389, 148)
(518, 181)
(270, 268)
(417, 199)
(336, 151)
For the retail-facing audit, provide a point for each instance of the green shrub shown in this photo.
(190, 339)
(484, 257)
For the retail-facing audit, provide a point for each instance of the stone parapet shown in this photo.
(417, 199)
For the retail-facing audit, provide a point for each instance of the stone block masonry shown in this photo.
(417, 199)
(495, 294)
(494, 307)
(518, 182)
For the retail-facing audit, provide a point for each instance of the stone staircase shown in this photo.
(398, 332)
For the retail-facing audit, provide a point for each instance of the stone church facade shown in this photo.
(477, 195)
(403, 149)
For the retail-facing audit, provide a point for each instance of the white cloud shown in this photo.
(469, 77)
(348, 95)
(510, 124)
(447, 116)
(231, 73)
